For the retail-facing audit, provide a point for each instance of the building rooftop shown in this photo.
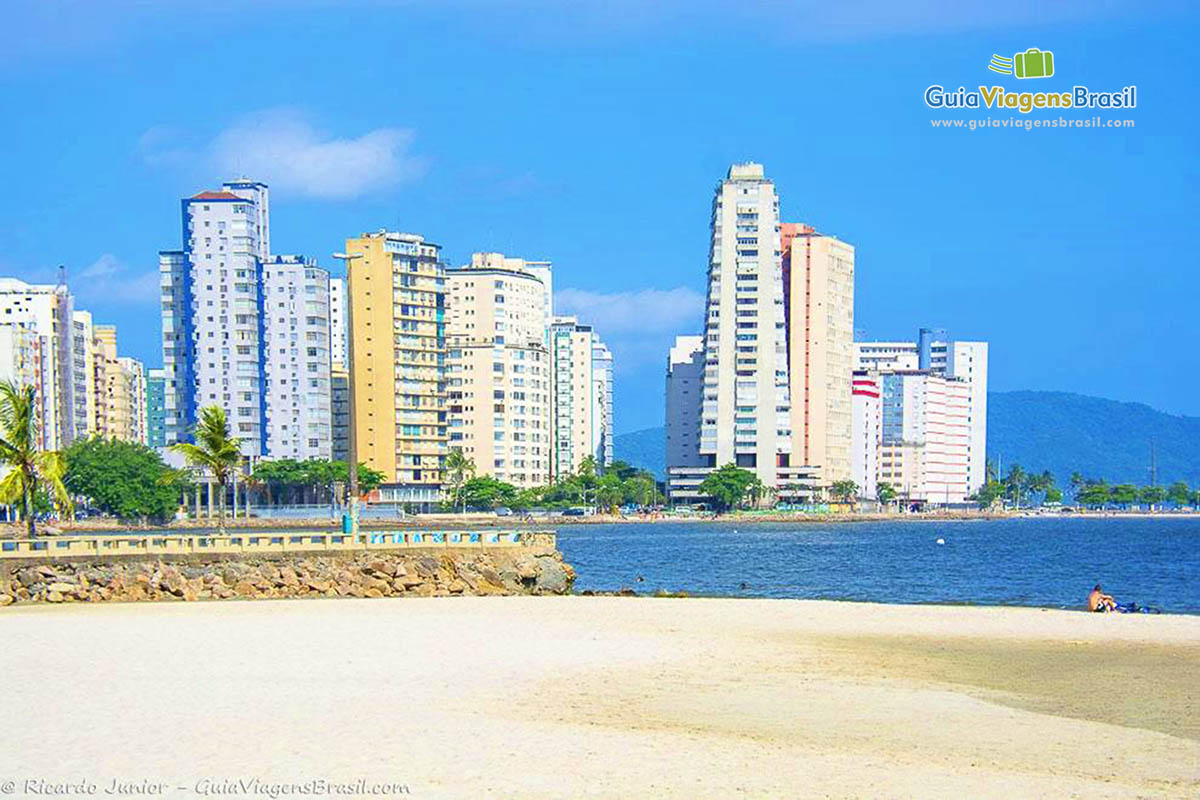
(210, 195)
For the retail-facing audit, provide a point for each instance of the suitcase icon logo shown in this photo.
(1033, 63)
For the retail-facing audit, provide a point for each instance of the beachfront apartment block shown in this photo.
(746, 409)
(156, 421)
(581, 388)
(396, 287)
(119, 388)
(818, 276)
(337, 322)
(296, 346)
(498, 368)
(777, 351)
(222, 318)
(925, 437)
(45, 314)
(937, 353)
(685, 376)
(867, 431)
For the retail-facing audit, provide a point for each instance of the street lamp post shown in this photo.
(352, 449)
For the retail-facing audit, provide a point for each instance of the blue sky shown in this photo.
(592, 134)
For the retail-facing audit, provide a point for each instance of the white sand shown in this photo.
(582, 697)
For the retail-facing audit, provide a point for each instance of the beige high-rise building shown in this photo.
(120, 389)
(396, 289)
(83, 352)
(498, 373)
(818, 275)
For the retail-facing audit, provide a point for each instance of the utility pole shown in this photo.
(350, 521)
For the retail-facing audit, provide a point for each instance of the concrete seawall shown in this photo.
(373, 570)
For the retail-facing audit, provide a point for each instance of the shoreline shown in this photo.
(472, 521)
(752, 697)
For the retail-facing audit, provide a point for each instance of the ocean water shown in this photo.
(1045, 562)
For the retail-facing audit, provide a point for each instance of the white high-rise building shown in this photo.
(223, 327)
(925, 437)
(338, 329)
(685, 377)
(83, 331)
(580, 420)
(602, 377)
(746, 410)
(47, 312)
(297, 365)
(867, 432)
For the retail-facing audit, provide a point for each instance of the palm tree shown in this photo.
(28, 469)
(459, 470)
(215, 450)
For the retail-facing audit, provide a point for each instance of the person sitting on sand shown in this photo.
(1099, 601)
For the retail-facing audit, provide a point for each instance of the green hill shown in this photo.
(1058, 431)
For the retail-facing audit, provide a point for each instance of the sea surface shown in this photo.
(1045, 562)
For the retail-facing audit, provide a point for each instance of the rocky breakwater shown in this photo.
(362, 574)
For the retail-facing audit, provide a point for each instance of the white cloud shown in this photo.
(643, 311)
(108, 281)
(281, 147)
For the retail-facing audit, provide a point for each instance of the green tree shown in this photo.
(459, 469)
(1152, 495)
(1014, 484)
(1076, 482)
(642, 489)
(1094, 494)
(124, 479)
(588, 478)
(1124, 494)
(726, 486)
(488, 492)
(1178, 493)
(845, 490)
(610, 492)
(30, 472)
(885, 493)
(622, 469)
(1054, 495)
(215, 451)
(989, 493)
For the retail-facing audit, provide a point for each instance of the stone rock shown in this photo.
(54, 597)
(288, 577)
(62, 587)
(6, 599)
(552, 578)
(29, 577)
(373, 592)
(245, 589)
(319, 585)
(457, 586)
(381, 567)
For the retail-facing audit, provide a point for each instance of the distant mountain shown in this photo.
(644, 448)
(1065, 432)
(1058, 431)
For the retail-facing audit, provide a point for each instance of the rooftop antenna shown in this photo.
(62, 276)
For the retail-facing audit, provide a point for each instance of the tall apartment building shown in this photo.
(83, 356)
(581, 417)
(339, 402)
(338, 328)
(867, 432)
(397, 291)
(120, 388)
(937, 353)
(47, 313)
(498, 368)
(685, 376)
(21, 361)
(297, 365)
(925, 437)
(818, 275)
(602, 379)
(219, 327)
(213, 321)
(156, 422)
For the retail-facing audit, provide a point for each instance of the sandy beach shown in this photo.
(603, 697)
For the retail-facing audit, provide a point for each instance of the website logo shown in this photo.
(1033, 63)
